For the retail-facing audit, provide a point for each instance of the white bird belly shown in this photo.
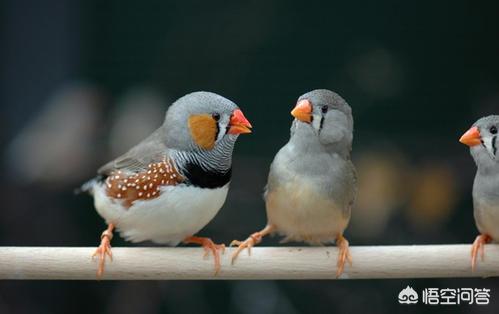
(178, 212)
(301, 214)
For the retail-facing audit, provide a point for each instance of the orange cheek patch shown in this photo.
(203, 130)
(144, 185)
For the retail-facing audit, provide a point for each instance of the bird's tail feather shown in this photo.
(88, 186)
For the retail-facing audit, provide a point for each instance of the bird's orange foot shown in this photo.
(250, 242)
(343, 255)
(104, 249)
(209, 247)
(479, 246)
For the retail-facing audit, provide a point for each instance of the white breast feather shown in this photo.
(180, 211)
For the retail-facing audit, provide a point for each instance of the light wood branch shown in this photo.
(137, 263)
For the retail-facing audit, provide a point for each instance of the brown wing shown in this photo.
(139, 173)
(142, 185)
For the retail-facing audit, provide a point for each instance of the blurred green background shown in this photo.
(82, 81)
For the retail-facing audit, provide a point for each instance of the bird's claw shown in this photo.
(478, 247)
(103, 250)
(250, 242)
(209, 247)
(343, 255)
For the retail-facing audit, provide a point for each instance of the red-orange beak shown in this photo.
(238, 123)
(472, 137)
(303, 111)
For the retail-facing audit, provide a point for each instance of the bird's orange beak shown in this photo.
(238, 123)
(472, 137)
(303, 111)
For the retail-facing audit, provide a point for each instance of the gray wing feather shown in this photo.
(137, 159)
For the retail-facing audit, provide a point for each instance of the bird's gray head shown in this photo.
(203, 121)
(323, 116)
(483, 143)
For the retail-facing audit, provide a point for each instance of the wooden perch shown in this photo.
(134, 263)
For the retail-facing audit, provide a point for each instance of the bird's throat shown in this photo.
(206, 178)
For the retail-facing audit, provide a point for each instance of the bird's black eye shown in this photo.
(215, 116)
(324, 109)
(493, 129)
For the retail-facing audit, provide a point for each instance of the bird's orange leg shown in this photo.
(478, 246)
(343, 254)
(208, 247)
(104, 249)
(251, 241)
